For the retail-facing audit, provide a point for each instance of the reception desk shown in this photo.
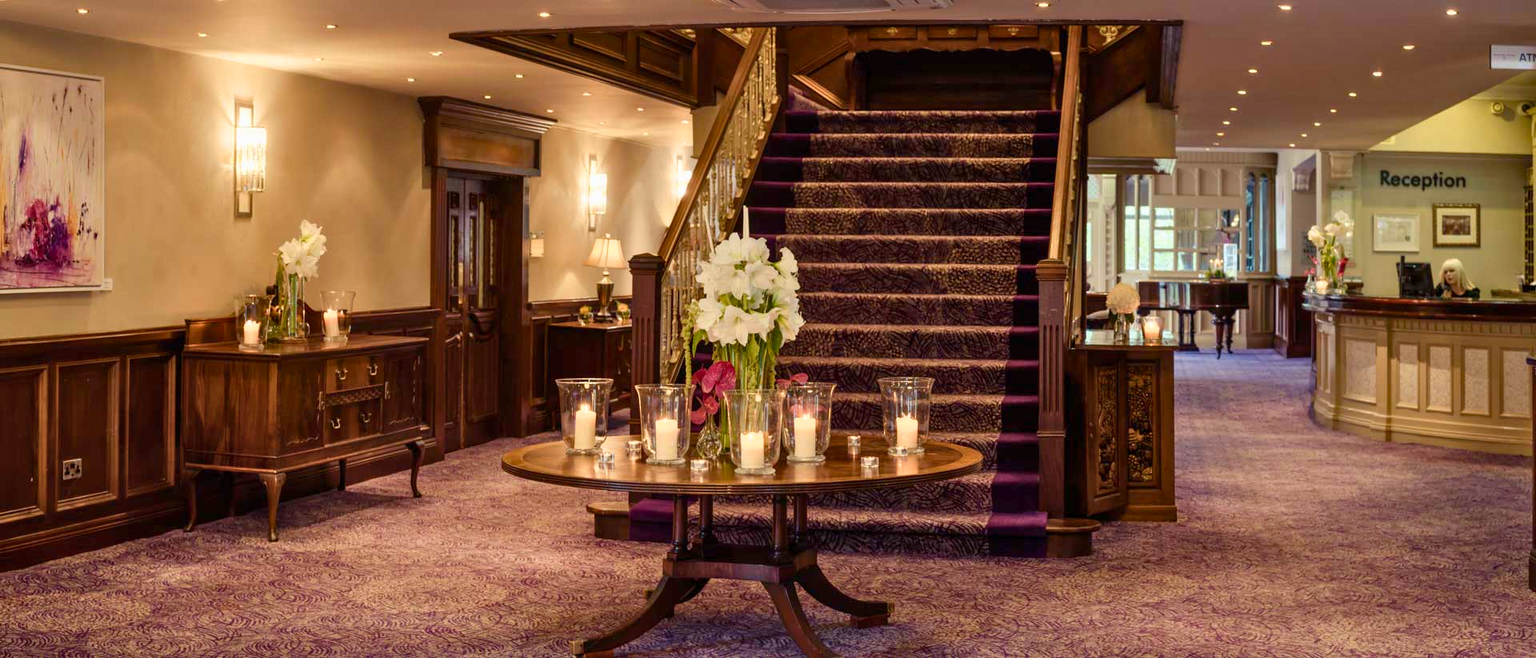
(1438, 372)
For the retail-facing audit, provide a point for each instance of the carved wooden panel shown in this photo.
(662, 58)
(657, 63)
(86, 428)
(1141, 424)
(1104, 429)
(300, 391)
(23, 437)
(150, 423)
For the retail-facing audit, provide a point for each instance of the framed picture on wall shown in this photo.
(1396, 232)
(1458, 225)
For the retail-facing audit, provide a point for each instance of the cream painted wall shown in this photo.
(345, 157)
(1466, 127)
(1295, 212)
(1134, 129)
(641, 200)
(1495, 182)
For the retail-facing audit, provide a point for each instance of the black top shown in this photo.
(1470, 293)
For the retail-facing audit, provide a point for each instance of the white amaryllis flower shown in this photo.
(1122, 299)
(750, 306)
(301, 255)
(1315, 236)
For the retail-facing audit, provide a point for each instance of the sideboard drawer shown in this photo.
(952, 32)
(892, 32)
(352, 372)
(352, 421)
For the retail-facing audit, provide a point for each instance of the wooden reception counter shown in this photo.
(1440, 372)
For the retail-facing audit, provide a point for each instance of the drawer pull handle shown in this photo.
(365, 417)
(335, 423)
(341, 374)
(373, 370)
(386, 390)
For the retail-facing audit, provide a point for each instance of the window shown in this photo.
(1256, 223)
(1159, 239)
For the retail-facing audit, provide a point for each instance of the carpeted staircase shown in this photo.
(917, 235)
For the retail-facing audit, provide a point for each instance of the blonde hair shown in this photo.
(1461, 274)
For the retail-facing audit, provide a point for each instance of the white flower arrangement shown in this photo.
(1122, 299)
(1329, 260)
(750, 309)
(301, 255)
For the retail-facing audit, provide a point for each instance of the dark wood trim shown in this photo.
(1423, 309)
(1293, 322)
(645, 272)
(469, 136)
(844, 21)
(541, 314)
(1117, 72)
(1168, 65)
(489, 117)
(592, 53)
(517, 335)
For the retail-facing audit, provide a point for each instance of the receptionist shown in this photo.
(1454, 282)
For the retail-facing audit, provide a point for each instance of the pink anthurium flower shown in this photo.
(798, 378)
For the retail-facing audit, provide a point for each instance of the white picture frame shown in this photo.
(1396, 232)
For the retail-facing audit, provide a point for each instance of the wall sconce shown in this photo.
(250, 158)
(536, 244)
(597, 193)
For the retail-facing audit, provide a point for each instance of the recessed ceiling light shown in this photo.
(1221, 134)
(1215, 143)
(1333, 110)
(1293, 144)
(586, 93)
(1317, 123)
(518, 76)
(1043, 5)
(1376, 74)
(639, 109)
(602, 123)
(1353, 94)
(550, 111)
(645, 134)
(1253, 70)
(685, 122)
(1266, 42)
(1242, 92)
(1232, 109)
(202, 35)
(1285, 7)
(1226, 123)
(1303, 134)
(410, 79)
(82, 10)
(1451, 12)
(437, 53)
(1409, 46)
(543, 14)
(330, 26)
(319, 59)
(487, 97)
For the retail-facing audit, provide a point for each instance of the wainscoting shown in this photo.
(110, 401)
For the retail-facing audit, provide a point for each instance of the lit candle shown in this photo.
(805, 437)
(1321, 285)
(586, 428)
(252, 333)
(1152, 329)
(746, 222)
(752, 445)
(666, 439)
(332, 322)
(906, 432)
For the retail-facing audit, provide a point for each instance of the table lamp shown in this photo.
(606, 254)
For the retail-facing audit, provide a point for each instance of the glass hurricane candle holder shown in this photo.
(584, 414)
(810, 418)
(754, 420)
(251, 322)
(337, 316)
(905, 403)
(664, 421)
(1152, 330)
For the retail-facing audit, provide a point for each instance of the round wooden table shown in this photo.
(789, 561)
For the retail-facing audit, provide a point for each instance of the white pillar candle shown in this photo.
(1152, 329)
(906, 432)
(666, 439)
(252, 333)
(586, 428)
(746, 222)
(332, 322)
(805, 437)
(752, 449)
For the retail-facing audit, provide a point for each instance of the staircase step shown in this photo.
(901, 195)
(896, 121)
(903, 222)
(937, 250)
(968, 279)
(856, 412)
(957, 376)
(912, 145)
(1006, 310)
(967, 495)
(915, 342)
(972, 170)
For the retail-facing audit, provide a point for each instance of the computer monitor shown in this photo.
(1413, 279)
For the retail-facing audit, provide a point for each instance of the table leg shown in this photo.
(669, 593)
(189, 477)
(418, 450)
(679, 527)
(802, 530)
(781, 528)
(865, 614)
(706, 520)
(274, 483)
(787, 602)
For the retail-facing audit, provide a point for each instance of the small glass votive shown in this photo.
(337, 316)
(251, 322)
(810, 407)
(869, 462)
(698, 465)
(905, 403)
(584, 414)
(755, 418)
(605, 458)
(855, 442)
(899, 451)
(633, 447)
(664, 426)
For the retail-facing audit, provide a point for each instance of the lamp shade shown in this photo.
(606, 254)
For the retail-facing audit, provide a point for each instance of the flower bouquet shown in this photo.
(298, 260)
(1330, 260)
(1122, 303)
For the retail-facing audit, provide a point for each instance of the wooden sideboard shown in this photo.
(592, 350)
(288, 407)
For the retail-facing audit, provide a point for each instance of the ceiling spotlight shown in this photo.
(1376, 73)
(550, 111)
(1285, 7)
(1303, 134)
(1221, 134)
(437, 53)
(1241, 92)
(1293, 144)
(543, 14)
(82, 10)
(639, 109)
(586, 93)
(1266, 42)
(202, 35)
(602, 123)
(1043, 5)
(1253, 71)
(685, 122)
(518, 76)
(1451, 12)
(319, 59)
(1333, 110)
(1226, 123)
(487, 97)
(1409, 46)
(410, 79)
(1353, 94)
(1317, 123)
(645, 134)
(1232, 109)
(330, 26)
(1215, 143)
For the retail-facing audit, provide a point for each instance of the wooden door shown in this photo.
(476, 220)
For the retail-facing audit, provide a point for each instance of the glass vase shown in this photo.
(664, 422)
(337, 316)
(1122, 328)
(754, 421)
(292, 327)
(708, 444)
(905, 404)
(584, 414)
(251, 322)
(810, 420)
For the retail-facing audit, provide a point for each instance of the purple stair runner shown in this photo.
(917, 235)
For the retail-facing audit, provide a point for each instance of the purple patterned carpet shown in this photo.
(1294, 542)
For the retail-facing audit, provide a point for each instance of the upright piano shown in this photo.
(1222, 299)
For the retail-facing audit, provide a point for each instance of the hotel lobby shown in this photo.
(767, 327)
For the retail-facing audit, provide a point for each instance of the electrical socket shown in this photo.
(74, 469)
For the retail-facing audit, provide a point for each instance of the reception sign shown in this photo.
(1514, 58)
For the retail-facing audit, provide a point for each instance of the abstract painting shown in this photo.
(52, 181)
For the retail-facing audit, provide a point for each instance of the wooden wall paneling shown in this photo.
(23, 443)
(85, 426)
(149, 421)
(820, 63)
(542, 400)
(656, 63)
(1120, 70)
(517, 335)
(1293, 322)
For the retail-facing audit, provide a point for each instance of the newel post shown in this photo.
(1052, 275)
(645, 271)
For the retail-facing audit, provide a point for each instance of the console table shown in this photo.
(292, 406)
(789, 561)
